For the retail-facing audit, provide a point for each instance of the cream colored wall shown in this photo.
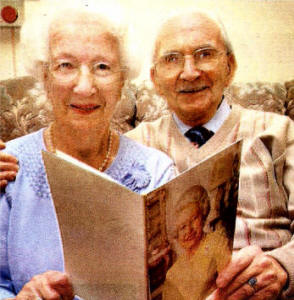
(262, 33)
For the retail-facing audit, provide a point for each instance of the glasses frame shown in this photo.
(180, 67)
(74, 77)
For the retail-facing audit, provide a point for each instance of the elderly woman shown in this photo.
(201, 255)
(83, 69)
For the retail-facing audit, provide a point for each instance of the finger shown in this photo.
(242, 279)
(3, 184)
(238, 284)
(46, 290)
(8, 166)
(38, 288)
(64, 287)
(5, 157)
(266, 282)
(2, 145)
(243, 293)
(238, 263)
(60, 283)
(7, 175)
(216, 295)
(264, 266)
(28, 292)
(268, 293)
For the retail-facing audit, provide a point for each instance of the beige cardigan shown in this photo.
(266, 194)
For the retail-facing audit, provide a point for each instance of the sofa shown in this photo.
(24, 107)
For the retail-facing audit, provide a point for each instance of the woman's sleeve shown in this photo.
(6, 285)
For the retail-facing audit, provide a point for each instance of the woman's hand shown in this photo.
(8, 167)
(50, 285)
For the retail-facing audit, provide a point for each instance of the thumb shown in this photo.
(216, 295)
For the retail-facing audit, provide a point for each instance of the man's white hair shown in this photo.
(185, 12)
(35, 33)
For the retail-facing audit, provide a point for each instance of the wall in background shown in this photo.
(262, 34)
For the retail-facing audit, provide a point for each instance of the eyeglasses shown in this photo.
(67, 71)
(173, 63)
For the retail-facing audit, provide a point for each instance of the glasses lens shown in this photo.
(67, 72)
(172, 62)
(205, 56)
(64, 71)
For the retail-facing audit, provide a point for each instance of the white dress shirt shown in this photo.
(213, 124)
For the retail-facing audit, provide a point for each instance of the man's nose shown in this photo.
(85, 83)
(190, 71)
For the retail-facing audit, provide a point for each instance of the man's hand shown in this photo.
(8, 167)
(49, 285)
(267, 276)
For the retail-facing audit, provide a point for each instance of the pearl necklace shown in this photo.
(52, 148)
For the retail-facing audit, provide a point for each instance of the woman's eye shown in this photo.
(65, 65)
(195, 218)
(183, 227)
(101, 67)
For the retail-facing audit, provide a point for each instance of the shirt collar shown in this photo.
(213, 124)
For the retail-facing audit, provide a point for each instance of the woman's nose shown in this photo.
(85, 85)
(188, 229)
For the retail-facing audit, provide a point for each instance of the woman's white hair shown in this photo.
(35, 33)
(185, 12)
(196, 195)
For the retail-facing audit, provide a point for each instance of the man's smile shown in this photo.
(85, 108)
(192, 90)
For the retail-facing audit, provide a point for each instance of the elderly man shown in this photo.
(193, 63)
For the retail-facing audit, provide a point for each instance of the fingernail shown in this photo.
(12, 175)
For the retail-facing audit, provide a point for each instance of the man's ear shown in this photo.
(231, 68)
(45, 77)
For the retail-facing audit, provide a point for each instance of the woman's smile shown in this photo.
(84, 108)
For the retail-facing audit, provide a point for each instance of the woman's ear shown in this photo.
(152, 74)
(124, 76)
(44, 75)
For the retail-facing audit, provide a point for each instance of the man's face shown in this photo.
(194, 88)
(189, 227)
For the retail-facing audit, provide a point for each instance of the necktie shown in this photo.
(199, 135)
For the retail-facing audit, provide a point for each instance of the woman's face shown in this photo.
(84, 78)
(189, 227)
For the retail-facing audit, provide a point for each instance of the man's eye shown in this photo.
(172, 58)
(204, 54)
